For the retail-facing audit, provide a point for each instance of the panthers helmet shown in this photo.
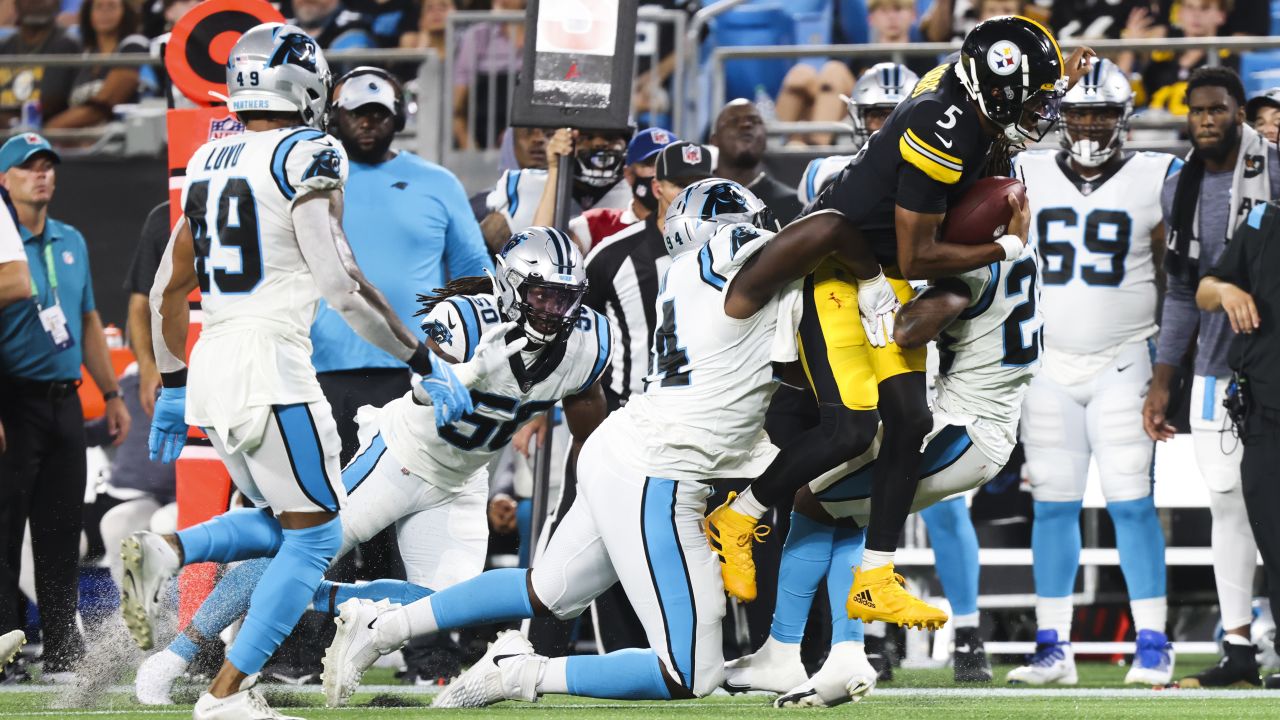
(1013, 69)
(883, 86)
(278, 68)
(1103, 87)
(707, 205)
(540, 283)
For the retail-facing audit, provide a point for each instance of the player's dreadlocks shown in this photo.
(999, 162)
(474, 285)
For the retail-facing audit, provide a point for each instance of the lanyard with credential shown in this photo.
(50, 273)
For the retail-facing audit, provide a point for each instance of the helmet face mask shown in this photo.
(1095, 115)
(540, 284)
(876, 94)
(600, 168)
(278, 68)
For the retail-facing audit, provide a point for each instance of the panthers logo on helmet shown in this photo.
(438, 332)
(295, 49)
(513, 243)
(724, 199)
(326, 163)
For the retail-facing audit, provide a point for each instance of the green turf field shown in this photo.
(913, 694)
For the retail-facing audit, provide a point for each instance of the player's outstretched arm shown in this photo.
(930, 312)
(793, 253)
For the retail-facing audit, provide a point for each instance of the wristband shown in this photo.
(1012, 245)
(110, 395)
(175, 379)
(420, 361)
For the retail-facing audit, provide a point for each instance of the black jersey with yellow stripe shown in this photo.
(930, 150)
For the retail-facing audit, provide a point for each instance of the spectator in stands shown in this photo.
(389, 20)
(1164, 80)
(1089, 19)
(739, 135)
(46, 91)
(596, 224)
(489, 56)
(107, 27)
(964, 14)
(43, 341)
(1263, 113)
(333, 26)
(432, 19)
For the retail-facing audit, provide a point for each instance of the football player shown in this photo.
(261, 238)
(432, 483)
(643, 480)
(1100, 234)
(955, 128)
(975, 421)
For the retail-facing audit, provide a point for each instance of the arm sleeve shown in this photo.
(453, 325)
(146, 256)
(1179, 319)
(308, 161)
(465, 254)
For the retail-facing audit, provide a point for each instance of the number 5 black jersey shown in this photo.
(930, 150)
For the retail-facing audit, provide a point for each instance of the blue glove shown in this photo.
(449, 396)
(168, 425)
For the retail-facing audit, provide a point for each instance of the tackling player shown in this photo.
(1100, 235)
(261, 238)
(955, 128)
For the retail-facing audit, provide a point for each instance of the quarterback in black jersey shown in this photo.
(956, 127)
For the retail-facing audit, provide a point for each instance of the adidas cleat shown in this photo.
(1152, 660)
(149, 564)
(880, 594)
(508, 671)
(1053, 662)
(730, 534)
(775, 667)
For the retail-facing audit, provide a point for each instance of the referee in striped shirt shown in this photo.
(623, 271)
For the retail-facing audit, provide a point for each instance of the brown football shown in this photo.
(982, 214)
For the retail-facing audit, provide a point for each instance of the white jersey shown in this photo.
(818, 174)
(257, 293)
(987, 356)
(518, 192)
(701, 415)
(1094, 239)
(503, 401)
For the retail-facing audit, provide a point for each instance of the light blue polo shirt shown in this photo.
(26, 351)
(411, 229)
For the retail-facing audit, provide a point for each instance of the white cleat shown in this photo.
(156, 676)
(1153, 660)
(354, 649)
(248, 704)
(10, 643)
(508, 671)
(1053, 662)
(775, 667)
(846, 676)
(149, 564)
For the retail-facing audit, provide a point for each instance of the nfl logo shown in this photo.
(692, 154)
(226, 127)
(31, 139)
(661, 137)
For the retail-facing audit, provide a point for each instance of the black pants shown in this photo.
(1260, 481)
(43, 482)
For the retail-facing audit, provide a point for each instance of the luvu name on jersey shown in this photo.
(504, 400)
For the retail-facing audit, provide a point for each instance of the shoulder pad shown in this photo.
(982, 284)
(306, 160)
(456, 323)
(727, 250)
(598, 332)
(818, 174)
(929, 142)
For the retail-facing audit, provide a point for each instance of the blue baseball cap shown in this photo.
(21, 148)
(647, 143)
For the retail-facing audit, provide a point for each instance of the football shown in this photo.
(983, 213)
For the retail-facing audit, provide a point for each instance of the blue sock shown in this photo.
(284, 593)
(846, 554)
(805, 558)
(1055, 547)
(400, 592)
(524, 526)
(228, 601)
(490, 597)
(237, 534)
(631, 674)
(1140, 540)
(955, 549)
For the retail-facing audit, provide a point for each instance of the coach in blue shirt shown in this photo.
(43, 341)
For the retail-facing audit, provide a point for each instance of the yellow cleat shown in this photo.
(730, 534)
(880, 594)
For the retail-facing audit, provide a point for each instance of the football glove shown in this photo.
(168, 425)
(445, 392)
(877, 304)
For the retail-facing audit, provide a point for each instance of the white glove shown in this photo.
(491, 354)
(877, 304)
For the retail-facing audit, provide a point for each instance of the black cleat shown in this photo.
(1271, 682)
(1237, 668)
(970, 658)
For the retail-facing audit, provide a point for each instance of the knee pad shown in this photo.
(1137, 511)
(320, 541)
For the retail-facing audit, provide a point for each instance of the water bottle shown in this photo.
(31, 115)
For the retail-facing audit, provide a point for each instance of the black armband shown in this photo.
(420, 362)
(175, 379)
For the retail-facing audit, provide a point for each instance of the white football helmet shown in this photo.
(882, 86)
(707, 205)
(540, 283)
(1104, 86)
(279, 68)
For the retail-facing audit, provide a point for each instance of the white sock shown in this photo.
(872, 559)
(1234, 639)
(1150, 614)
(774, 646)
(394, 629)
(1055, 614)
(843, 651)
(747, 504)
(554, 677)
(965, 621)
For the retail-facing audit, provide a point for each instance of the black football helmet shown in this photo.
(1013, 69)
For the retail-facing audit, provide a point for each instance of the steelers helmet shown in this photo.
(275, 67)
(882, 86)
(708, 205)
(540, 282)
(1103, 87)
(1013, 69)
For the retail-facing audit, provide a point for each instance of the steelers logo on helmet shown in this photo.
(1004, 58)
(540, 283)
